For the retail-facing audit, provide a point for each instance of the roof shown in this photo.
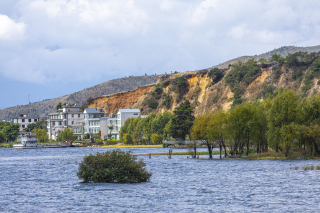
(93, 110)
(129, 110)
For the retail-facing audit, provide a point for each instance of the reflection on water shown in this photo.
(44, 180)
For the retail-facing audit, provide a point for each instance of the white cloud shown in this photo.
(96, 40)
(9, 29)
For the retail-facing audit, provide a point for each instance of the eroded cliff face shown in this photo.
(112, 103)
(202, 93)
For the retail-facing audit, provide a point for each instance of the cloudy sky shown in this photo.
(49, 48)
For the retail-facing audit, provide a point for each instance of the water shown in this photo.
(44, 180)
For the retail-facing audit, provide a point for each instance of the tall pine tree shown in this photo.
(182, 121)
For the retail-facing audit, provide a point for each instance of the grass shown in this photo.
(273, 155)
(133, 146)
(7, 145)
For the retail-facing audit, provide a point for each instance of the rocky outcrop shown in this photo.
(112, 103)
(202, 93)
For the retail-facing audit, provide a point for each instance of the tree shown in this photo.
(156, 139)
(36, 125)
(66, 134)
(114, 166)
(182, 121)
(282, 112)
(180, 85)
(216, 129)
(10, 131)
(288, 137)
(59, 106)
(2, 137)
(42, 135)
(199, 131)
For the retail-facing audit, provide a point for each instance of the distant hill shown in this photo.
(43, 108)
(285, 50)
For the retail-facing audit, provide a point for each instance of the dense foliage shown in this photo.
(150, 130)
(36, 125)
(182, 121)
(179, 85)
(42, 135)
(283, 122)
(8, 131)
(66, 134)
(114, 166)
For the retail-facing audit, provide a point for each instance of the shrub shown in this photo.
(167, 101)
(114, 166)
(180, 85)
(165, 83)
(152, 103)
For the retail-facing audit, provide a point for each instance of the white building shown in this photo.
(23, 120)
(92, 120)
(67, 117)
(110, 127)
(124, 114)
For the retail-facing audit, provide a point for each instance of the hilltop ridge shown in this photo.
(123, 85)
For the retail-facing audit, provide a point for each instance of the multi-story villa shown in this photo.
(92, 120)
(67, 117)
(23, 120)
(110, 127)
(124, 114)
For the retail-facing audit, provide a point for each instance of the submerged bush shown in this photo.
(114, 166)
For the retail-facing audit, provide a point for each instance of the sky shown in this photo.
(50, 48)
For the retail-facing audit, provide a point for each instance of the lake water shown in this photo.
(44, 180)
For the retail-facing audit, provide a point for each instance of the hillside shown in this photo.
(103, 92)
(43, 108)
(244, 81)
(283, 51)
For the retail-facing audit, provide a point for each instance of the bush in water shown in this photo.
(115, 166)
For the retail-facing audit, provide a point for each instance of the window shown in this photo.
(53, 123)
(135, 113)
(72, 115)
(78, 115)
(22, 120)
(59, 123)
(72, 122)
(29, 120)
(23, 126)
(35, 120)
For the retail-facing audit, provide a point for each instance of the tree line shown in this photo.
(155, 128)
(282, 122)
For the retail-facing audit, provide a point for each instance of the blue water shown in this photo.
(44, 180)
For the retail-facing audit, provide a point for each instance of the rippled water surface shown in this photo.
(44, 180)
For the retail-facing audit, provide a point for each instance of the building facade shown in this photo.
(23, 120)
(67, 117)
(92, 118)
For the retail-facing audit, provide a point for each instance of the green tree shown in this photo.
(114, 166)
(156, 139)
(42, 135)
(10, 131)
(216, 129)
(182, 121)
(282, 112)
(66, 134)
(288, 137)
(59, 106)
(2, 137)
(36, 125)
(180, 85)
(199, 131)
